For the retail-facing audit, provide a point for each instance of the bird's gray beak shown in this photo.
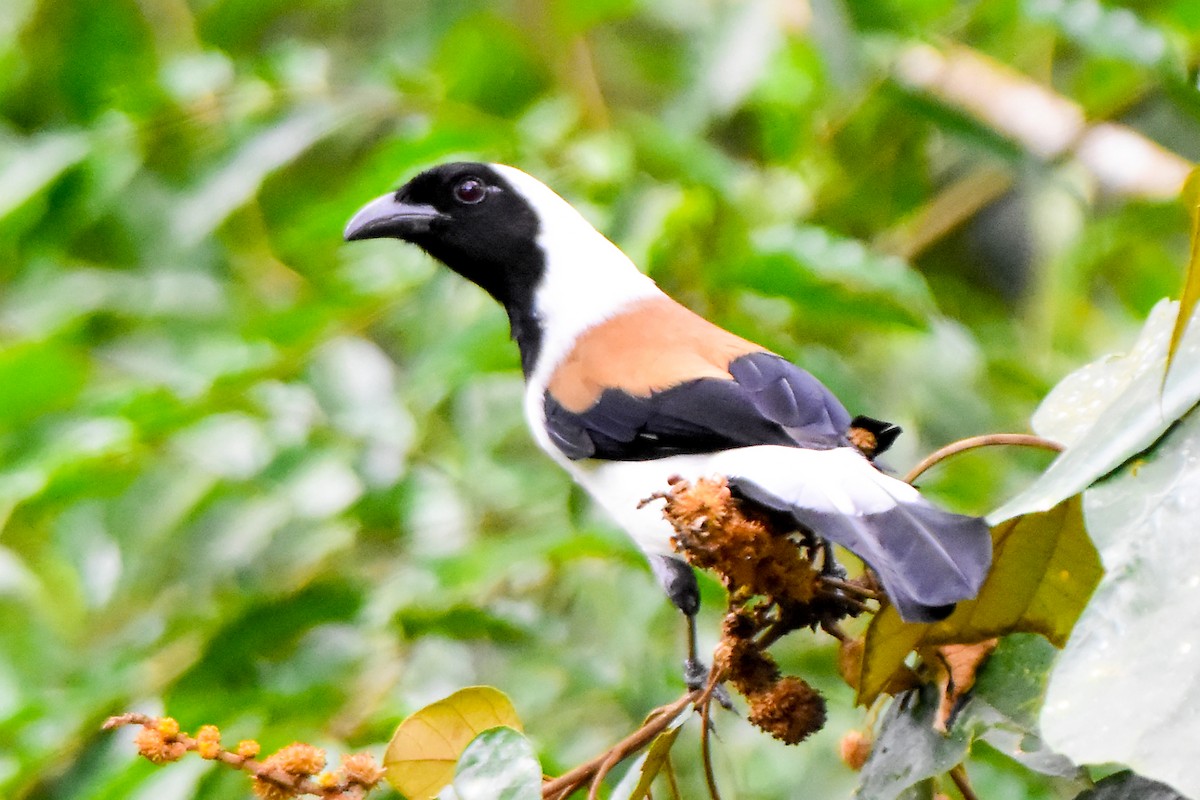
(387, 217)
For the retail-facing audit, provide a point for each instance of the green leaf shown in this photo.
(28, 169)
(1120, 689)
(1112, 32)
(461, 621)
(499, 764)
(1126, 785)
(800, 261)
(61, 374)
(908, 750)
(1043, 572)
(999, 710)
(1110, 410)
(421, 757)
(239, 179)
(641, 774)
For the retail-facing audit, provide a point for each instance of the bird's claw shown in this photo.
(696, 676)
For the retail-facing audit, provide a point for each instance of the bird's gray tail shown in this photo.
(927, 558)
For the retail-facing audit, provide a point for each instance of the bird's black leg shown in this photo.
(679, 582)
(829, 565)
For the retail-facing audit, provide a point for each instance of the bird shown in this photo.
(627, 388)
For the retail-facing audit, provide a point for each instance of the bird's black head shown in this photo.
(469, 217)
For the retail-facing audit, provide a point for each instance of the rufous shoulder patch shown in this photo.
(654, 345)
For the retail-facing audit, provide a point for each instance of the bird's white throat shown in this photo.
(587, 279)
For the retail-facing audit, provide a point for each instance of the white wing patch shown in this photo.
(835, 481)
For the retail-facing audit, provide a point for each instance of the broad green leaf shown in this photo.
(499, 764)
(27, 169)
(642, 772)
(1125, 689)
(421, 757)
(1102, 29)
(1110, 410)
(908, 750)
(1127, 785)
(239, 179)
(800, 261)
(1043, 572)
(576, 16)
(1000, 710)
(61, 374)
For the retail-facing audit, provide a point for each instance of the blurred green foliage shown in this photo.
(264, 481)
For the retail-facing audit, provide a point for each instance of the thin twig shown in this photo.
(959, 776)
(654, 725)
(705, 702)
(602, 771)
(1019, 439)
(834, 630)
(294, 783)
(850, 588)
(857, 605)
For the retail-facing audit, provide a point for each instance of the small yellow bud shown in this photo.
(248, 748)
(157, 748)
(168, 727)
(208, 741)
(361, 768)
(269, 791)
(299, 758)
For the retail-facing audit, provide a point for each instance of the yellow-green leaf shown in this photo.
(1191, 281)
(1044, 569)
(637, 782)
(422, 754)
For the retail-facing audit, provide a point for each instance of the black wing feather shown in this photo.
(769, 401)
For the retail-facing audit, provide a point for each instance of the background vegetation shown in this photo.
(262, 480)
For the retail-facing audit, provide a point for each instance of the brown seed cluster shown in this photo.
(736, 540)
(784, 706)
(774, 586)
(790, 710)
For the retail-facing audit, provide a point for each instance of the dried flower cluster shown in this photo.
(738, 541)
(784, 706)
(777, 583)
(292, 771)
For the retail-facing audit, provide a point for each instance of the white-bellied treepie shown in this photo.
(626, 387)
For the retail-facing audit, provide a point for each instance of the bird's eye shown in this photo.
(470, 191)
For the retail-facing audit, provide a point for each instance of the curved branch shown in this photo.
(345, 783)
(989, 440)
(715, 679)
(635, 741)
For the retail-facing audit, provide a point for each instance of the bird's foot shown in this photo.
(830, 568)
(696, 676)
